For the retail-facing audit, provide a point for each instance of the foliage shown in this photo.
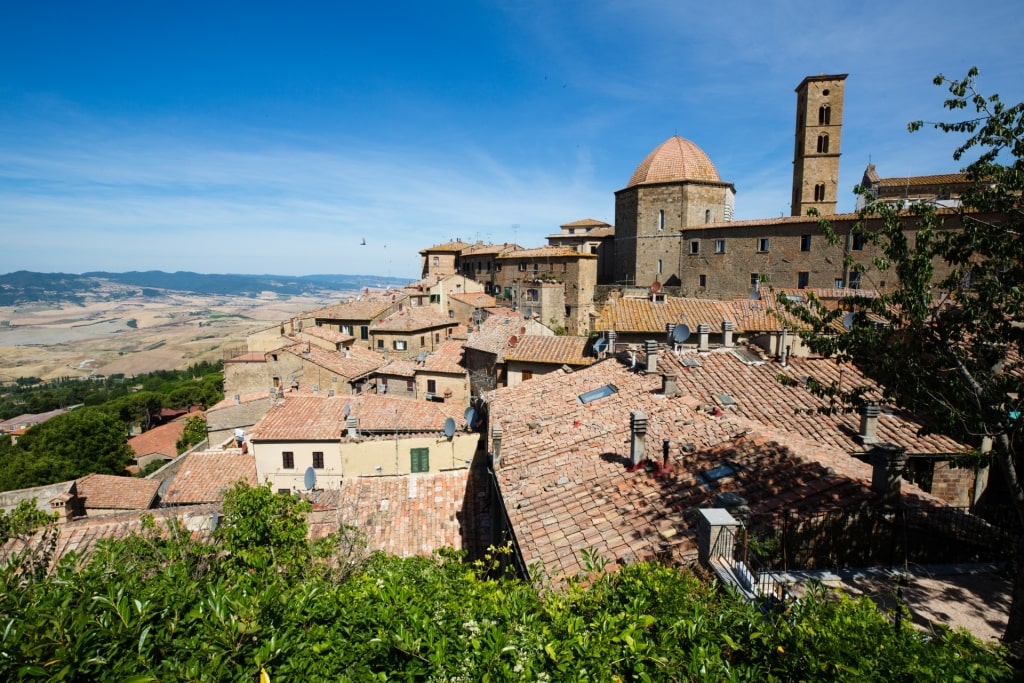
(193, 434)
(263, 529)
(946, 340)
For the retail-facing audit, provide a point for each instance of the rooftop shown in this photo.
(205, 475)
(108, 492)
(162, 439)
(564, 350)
(677, 159)
(412, 319)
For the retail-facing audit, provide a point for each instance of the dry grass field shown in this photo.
(135, 335)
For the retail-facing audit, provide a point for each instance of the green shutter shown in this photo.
(420, 459)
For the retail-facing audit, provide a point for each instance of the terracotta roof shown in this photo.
(29, 420)
(675, 160)
(546, 252)
(162, 439)
(533, 348)
(912, 181)
(319, 418)
(447, 358)
(567, 487)
(759, 396)
(205, 475)
(367, 307)
(454, 245)
(480, 249)
(478, 299)
(646, 316)
(585, 223)
(327, 334)
(399, 367)
(493, 334)
(412, 319)
(108, 492)
(351, 363)
(407, 515)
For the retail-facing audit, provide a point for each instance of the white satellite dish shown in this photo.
(681, 333)
(346, 410)
(449, 427)
(309, 480)
(470, 417)
(848, 320)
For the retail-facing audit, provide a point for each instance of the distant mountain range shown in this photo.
(24, 287)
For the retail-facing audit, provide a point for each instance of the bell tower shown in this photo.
(819, 125)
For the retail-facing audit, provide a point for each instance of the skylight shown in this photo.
(600, 392)
(717, 473)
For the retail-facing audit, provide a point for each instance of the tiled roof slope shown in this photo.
(351, 364)
(366, 307)
(493, 334)
(327, 334)
(566, 485)
(162, 439)
(675, 160)
(204, 476)
(406, 515)
(585, 223)
(398, 367)
(546, 252)
(454, 245)
(478, 299)
(633, 315)
(912, 181)
(108, 492)
(760, 396)
(565, 350)
(412, 319)
(447, 358)
(322, 418)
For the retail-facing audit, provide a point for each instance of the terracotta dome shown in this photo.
(677, 159)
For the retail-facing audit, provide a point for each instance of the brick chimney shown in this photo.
(496, 434)
(637, 437)
(352, 425)
(703, 330)
(727, 330)
(670, 386)
(869, 413)
(651, 348)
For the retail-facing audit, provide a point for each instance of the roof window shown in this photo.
(600, 392)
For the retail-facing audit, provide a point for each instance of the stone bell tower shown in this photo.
(819, 125)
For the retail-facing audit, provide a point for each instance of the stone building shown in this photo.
(442, 259)
(819, 125)
(589, 236)
(556, 283)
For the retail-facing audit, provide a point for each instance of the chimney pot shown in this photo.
(638, 436)
(703, 331)
(651, 349)
(727, 329)
(887, 462)
(669, 386)
(869, 413)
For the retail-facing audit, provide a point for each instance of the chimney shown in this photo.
(669, 386)
(496, 446)
(703, 330)
(651, 348)
(352, 425)
(669, 329)
(869, 413)
(612, 336)
(887, 461)
(637, 436)
(727, 329)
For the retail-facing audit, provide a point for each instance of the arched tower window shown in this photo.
(661, 219)
(819, 192)
(707, 215)
(824, 115)
(823, 143)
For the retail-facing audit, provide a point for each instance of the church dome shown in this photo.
(675, 160)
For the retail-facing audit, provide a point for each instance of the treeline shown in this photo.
(262, 598)
(178, 387)
(94, 438)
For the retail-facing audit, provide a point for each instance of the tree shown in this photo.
(262, 529)
(945, 340)
(193, 433)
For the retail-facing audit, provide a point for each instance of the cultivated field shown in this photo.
(137, 334)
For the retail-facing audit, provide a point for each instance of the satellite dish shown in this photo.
(600, 345)
(755, 295)
(422, 357)
(309, 480)
(529, 312)
(848, 321)
(681, 333)
(656, 287)
(449, 427)
(346, 410)
(470, 417)
(513, 340)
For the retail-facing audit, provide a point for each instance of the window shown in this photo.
(707, 215)
(659, 266)
(522, 267)
(431, 386)
(805, 243)
(824, 115)
(601, 392)
(694, 246)
(380, 343)
(399, 345)
(287, 460)
(819, 192)
(719, 246)
(346, 329)
(437, 337)
(437, 261)
(527, 375)
(410, 386)
(435, 298)
(497, 267)
(536, 267)
(755, 280)
(803, 278)
(854, 280)
(532, 295)
(858, 241)
(702, 280)
(364, 331)
(762, 244)
(479, 266)
(419, 459)
(451, 313)
(488, 266)
(823, 144)
(284, 491)
(568, 311)
(661, 219)
(318, 460)
(839, 283)
(423, 340)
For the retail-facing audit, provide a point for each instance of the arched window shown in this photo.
(661, 219)
(707, 215)
(819, 192)
(824, 115)
(823, 144)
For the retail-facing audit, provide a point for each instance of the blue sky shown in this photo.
(273, 137)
